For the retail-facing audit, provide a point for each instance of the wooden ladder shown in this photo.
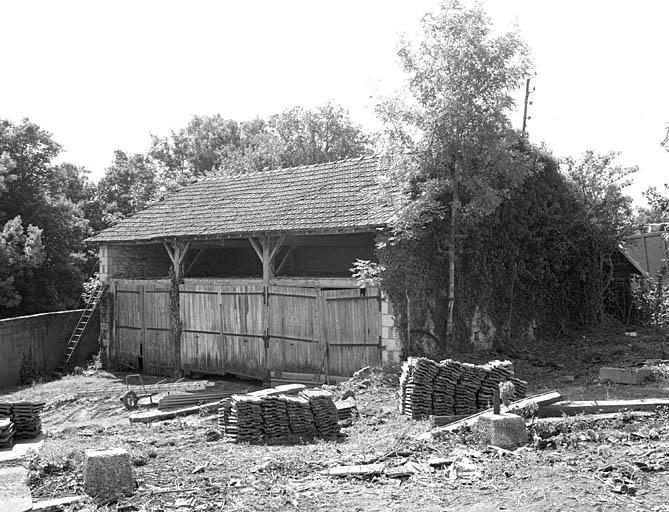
(91, 298)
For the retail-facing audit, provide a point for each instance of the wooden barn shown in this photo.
(250, 275)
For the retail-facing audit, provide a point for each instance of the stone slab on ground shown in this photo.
(108, 473)
(14, 491)
(21, 448)
(504, 430)
(634, 376)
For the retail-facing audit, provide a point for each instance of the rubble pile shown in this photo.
(24, 418)
(267, 417)
(451, 387)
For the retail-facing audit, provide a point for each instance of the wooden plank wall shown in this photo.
(222, 328)
(352, 329)
(310, 330)
(296, 340)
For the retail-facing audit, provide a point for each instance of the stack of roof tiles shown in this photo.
(495, 372)
(245, 421)
(300, 417)
(451, 387)
(7, 431)
(443, 393)
(324, 411)
(275, 417)
(418, 386)
(267, 417)
(467, 388)
(25, 417)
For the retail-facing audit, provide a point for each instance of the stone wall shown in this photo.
(43, 338)
(133, 261)
(390, 337)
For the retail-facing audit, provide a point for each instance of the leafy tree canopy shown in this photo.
(452, 142)
(42, 222)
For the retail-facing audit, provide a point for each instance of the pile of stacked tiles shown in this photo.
(467, 388)
(274, 417)
(266, 417)
(451, 387)
(418, 387)
(25, 416)
(443, 394)
(300, 417)
(324, 411)
(7, 431)
(244, 421)
(495, 372)
(27, 419)
(520, 388)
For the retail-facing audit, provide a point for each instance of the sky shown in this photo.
(104, 75)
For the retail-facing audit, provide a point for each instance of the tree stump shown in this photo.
(108, 474)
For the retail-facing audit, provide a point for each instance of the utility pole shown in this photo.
(527, 102)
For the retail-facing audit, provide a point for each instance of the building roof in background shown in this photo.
(335, 197)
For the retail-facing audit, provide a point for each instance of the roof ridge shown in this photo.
(294, 168)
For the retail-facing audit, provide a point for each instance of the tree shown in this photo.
(602, 218)
(453, 145)
(315, 136)
(658, 203)
(213, 145)
(46, 199)
(129, 185)
(20, 250)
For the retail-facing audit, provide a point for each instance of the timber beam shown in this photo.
(177, 253)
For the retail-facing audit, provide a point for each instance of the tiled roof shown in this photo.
(335, 196)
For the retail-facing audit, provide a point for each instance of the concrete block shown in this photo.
(625, 375)
(387, 321)
(391, 344)
(503, 430)
(108, 474)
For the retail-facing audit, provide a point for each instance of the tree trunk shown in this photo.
(455, 204)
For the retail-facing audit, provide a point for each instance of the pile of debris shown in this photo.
(451, 387)
(279, 415)
(24, 420)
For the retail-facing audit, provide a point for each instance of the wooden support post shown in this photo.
(266, 248)
(177, 253)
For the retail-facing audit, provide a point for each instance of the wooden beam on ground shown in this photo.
(597, 417)
(440, 421)
(359, 470)
(602, 406)
(150, 417)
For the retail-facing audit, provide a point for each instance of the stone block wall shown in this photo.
(133, 261)
(390, 337)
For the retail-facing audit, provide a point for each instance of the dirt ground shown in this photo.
(185, 464)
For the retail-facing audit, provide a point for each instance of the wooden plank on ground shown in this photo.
(597, 417)
(439, 421)
(358, 470)
(150, 388)
(55, 505)
(602, 406)
(149, 417)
